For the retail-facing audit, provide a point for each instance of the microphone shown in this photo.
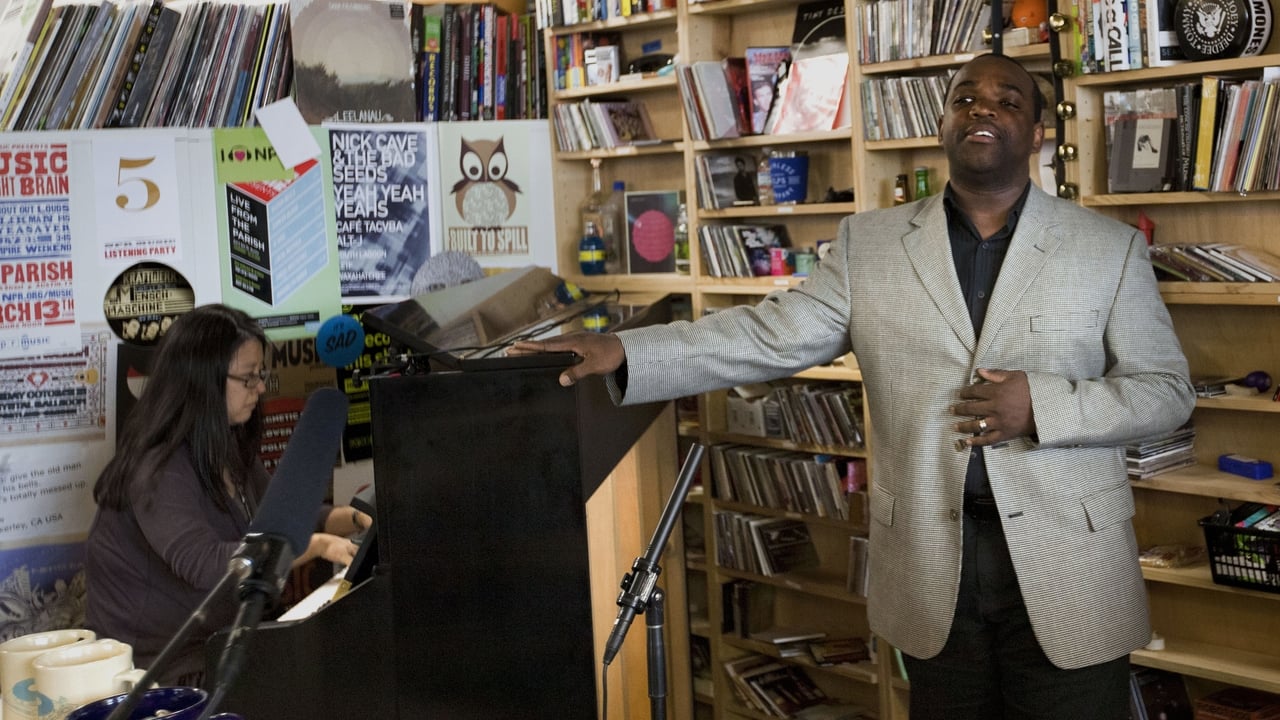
(279, 532)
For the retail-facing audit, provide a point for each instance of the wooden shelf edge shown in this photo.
(754, 211)
(784, 444)
(1175, 198)
(1199, 577)
(1214, 662)
(822, 136)
(1220, 293)
(1208, 481)
(863, 671)
(661, 82)
(1187, 70)
(826, 587)
(1258, 403)
(666, 147)
(838, 372)
(1022, 52)
(639, 283)
(850, 526)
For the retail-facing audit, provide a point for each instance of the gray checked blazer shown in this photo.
(1076, 307)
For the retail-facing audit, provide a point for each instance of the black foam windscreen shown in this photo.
(298, 486)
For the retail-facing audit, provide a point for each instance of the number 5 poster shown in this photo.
(145, 258)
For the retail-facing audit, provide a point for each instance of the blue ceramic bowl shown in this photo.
(179, 703)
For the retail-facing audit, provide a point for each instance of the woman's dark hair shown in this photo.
(185, 401)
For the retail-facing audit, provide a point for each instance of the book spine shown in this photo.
(1205, 133)
(500, 68)
(1115, 35)
(431, 38)
(1133, 29)
(466, 33)
(490, 65)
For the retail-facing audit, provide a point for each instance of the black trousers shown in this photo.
(992, 667)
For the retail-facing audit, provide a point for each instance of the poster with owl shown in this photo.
(496, 186)
(383, 190)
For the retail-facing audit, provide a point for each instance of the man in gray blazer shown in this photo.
(1011, 343)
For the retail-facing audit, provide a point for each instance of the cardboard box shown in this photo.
(601, 64)
(758, 417)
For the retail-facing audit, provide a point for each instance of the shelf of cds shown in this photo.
(1207, 219)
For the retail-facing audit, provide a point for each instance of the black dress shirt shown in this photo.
(978, 262)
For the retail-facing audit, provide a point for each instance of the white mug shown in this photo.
(17, 676)
(77, 674)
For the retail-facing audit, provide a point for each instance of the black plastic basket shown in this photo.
(1243, 557)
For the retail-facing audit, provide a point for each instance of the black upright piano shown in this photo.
(479, 606)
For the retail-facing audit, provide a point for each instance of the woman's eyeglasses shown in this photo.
(252, 380)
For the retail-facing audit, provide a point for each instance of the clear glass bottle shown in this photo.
(591, 214)
(682, 240)
(764, 178)
(613, 228)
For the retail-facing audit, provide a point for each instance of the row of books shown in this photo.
(827, 414)
(133, 63)
(575, 59)
(768, 686)
(475, 62)
(727, 180)
(901, 29)
(1214, 262)
(1153, 456)
(1246, 157)
(602, 125)
(558, 13)
(740, 250)
(1126, 35)
(1217, 134)
(901, 107)
(763, 544)
(775, 95)
(793, 481)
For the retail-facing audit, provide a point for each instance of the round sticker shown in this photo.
(144, 300)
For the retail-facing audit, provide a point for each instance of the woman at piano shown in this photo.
(177, 498)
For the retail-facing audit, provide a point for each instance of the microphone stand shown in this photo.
(271, 556)
(237, 571)
(638, 587)
(259, 558)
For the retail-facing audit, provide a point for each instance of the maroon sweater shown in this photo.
(148, 567)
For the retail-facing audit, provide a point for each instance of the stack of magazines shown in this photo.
(1162, 453)
(1210, 262)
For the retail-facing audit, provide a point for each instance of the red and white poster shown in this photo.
(37, 303)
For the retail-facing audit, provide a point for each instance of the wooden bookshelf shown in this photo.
(1244, 317)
